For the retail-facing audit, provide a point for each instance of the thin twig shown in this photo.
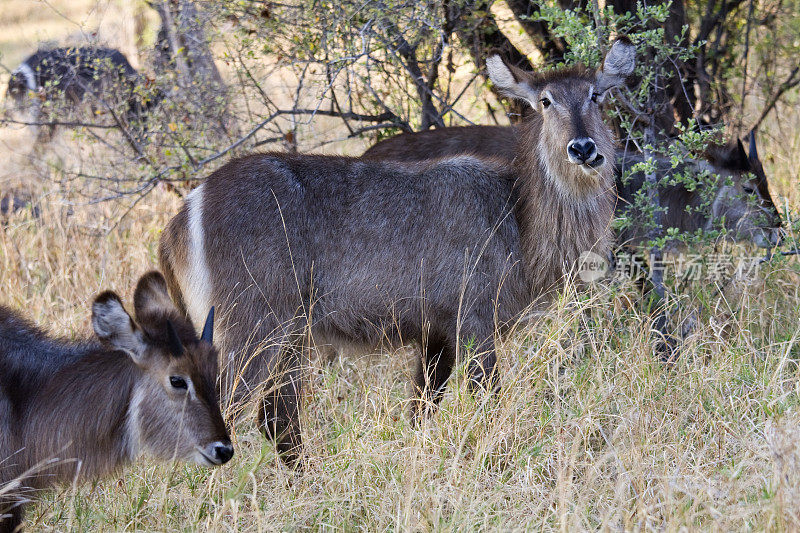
(4, 121)
(770, 255)
(746, 56)
(790, 83)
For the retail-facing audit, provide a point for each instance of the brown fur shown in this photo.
(555, 233)
(439, 253)
(173, 246)
(80, 411)
(760, 224)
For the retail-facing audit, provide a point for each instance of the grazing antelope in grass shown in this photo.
(81, 410)
(742, 200)
(439, 253)
(97, 76)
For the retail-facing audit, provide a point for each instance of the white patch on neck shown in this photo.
(718, 206)
(567, 194)
(133, 434)
(571, 196)
(197, 289)
(27, 73)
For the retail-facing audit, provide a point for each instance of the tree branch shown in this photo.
(785, 86)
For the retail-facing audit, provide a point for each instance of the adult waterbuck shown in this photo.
(742, 203)
(438, 253)
(81, 410)
(741, 198)
(101, 79)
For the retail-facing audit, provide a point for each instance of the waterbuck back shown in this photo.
(81, 410)
(441, 253)
(13, 201)
(99, 79)
(741, 196)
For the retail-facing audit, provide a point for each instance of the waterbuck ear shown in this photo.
(753, 155)
(151, 297)
(732, 157)
(174, 341)
(115, 327)
(511, 81)
(208, 329)
(740, 159)
(617, 66)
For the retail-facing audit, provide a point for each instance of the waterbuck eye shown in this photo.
(178, 382)
(545, 102)
(595, 96)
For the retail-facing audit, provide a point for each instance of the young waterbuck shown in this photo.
(741, 196)
(81, 410)
(439, 253)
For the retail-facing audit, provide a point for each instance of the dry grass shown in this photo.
(590, 431)
(24, 24)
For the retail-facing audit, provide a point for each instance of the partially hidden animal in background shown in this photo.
(99, 79)
(14, 201)
(75, 411)
(441, 254)
(741, 199)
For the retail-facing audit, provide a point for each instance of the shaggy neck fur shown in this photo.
(562, 211)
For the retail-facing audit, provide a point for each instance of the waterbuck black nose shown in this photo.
(581, 150)
(221, 452)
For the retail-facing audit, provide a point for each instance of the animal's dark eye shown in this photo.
(595, 97)
(545, 102)
(178, 382)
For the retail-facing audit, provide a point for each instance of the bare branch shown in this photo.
(349, 115)
(68, 124)
(790, 83)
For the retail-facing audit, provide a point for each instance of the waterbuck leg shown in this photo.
(654, 295)
(650, 284)
(481, 369)
(279, 412)
(42, 132)
(433, 369)
(666, 344)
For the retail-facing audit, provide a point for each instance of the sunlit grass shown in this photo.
(590, 429)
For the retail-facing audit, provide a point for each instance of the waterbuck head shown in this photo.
(174, 409)
(21, 84)
(17, 88)
(743, 199)
(574, 145)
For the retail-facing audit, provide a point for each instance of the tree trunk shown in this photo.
(482, 37)
(550, 47)
(183, 44)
